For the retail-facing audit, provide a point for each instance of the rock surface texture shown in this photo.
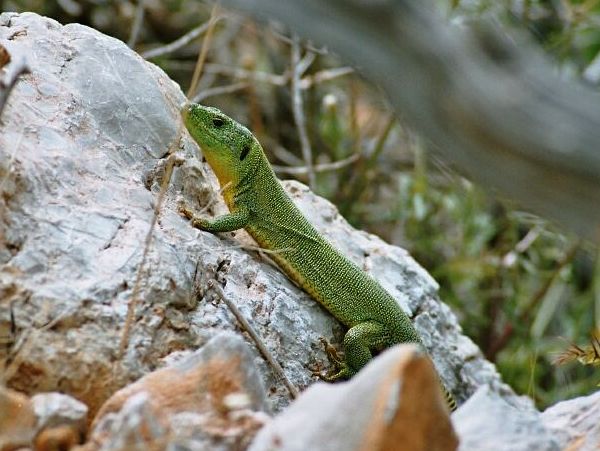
(83, 141)
(394, 403)
(211, 399)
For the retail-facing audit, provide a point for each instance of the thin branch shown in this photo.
(200, 66)
(451, 84)
(255, 337)
(284, 155)
(323, 167)
(220, 90)
(539, 295)
(306, 82)
(299, 119)
(172, 161)
(137, 24)
(244, 74)
(324, 75)
(309, 46)
(137, 286)
(71, 7)
(511, 256)
(304, 64)
(179, 43)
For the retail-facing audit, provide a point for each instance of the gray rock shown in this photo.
(205, 380)
(210, 399)
(575, 423)
(81, 147)
(135, 427)
(487, 422)
(394, 403)
(57, 409)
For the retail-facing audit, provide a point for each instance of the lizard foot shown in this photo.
(332, 354)
(343, 373)
(185, 211)
(196, 221)
(341, 370)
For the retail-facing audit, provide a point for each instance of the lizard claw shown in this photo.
(185, 211)
(343, 373)
(341, 368)
(332, 354)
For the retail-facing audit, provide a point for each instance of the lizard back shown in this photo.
(352, 296)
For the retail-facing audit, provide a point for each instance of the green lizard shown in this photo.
(258, 203)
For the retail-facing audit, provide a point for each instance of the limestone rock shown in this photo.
(57, 409)
(211, 397)
(134, 427)
(575, 423)
(486, 422)
(395, 402)
(83, 141)
(17, 420)
(61, 421)
(82, 146)
(65, 437)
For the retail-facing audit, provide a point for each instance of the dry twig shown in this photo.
(323, 167)
(244, 74)
(324, 75)
(451, 83)
(297, 108)
(137, 24)
(181, 42)
(220, 90)
(172, 161)
(257, 340)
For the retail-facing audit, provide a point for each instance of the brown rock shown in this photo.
(200, 383)
(216, 388)
(59, 438)
(54, 410)
(17, 420)
(410, 412)
(394, 403)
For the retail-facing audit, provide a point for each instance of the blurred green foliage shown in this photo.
(515, 282)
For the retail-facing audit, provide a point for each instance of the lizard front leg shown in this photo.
(235, 220)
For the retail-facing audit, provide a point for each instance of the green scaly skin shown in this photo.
(258, 203)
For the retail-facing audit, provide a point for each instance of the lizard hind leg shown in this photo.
(358, 342)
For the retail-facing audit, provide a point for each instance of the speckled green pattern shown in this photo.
(259, 204)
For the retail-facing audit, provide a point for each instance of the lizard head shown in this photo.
(230, 148)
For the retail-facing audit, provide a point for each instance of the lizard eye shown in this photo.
(218, 122)
(245, 151)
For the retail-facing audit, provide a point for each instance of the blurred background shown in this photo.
(522, 290)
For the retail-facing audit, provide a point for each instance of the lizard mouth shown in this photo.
(192, 119)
